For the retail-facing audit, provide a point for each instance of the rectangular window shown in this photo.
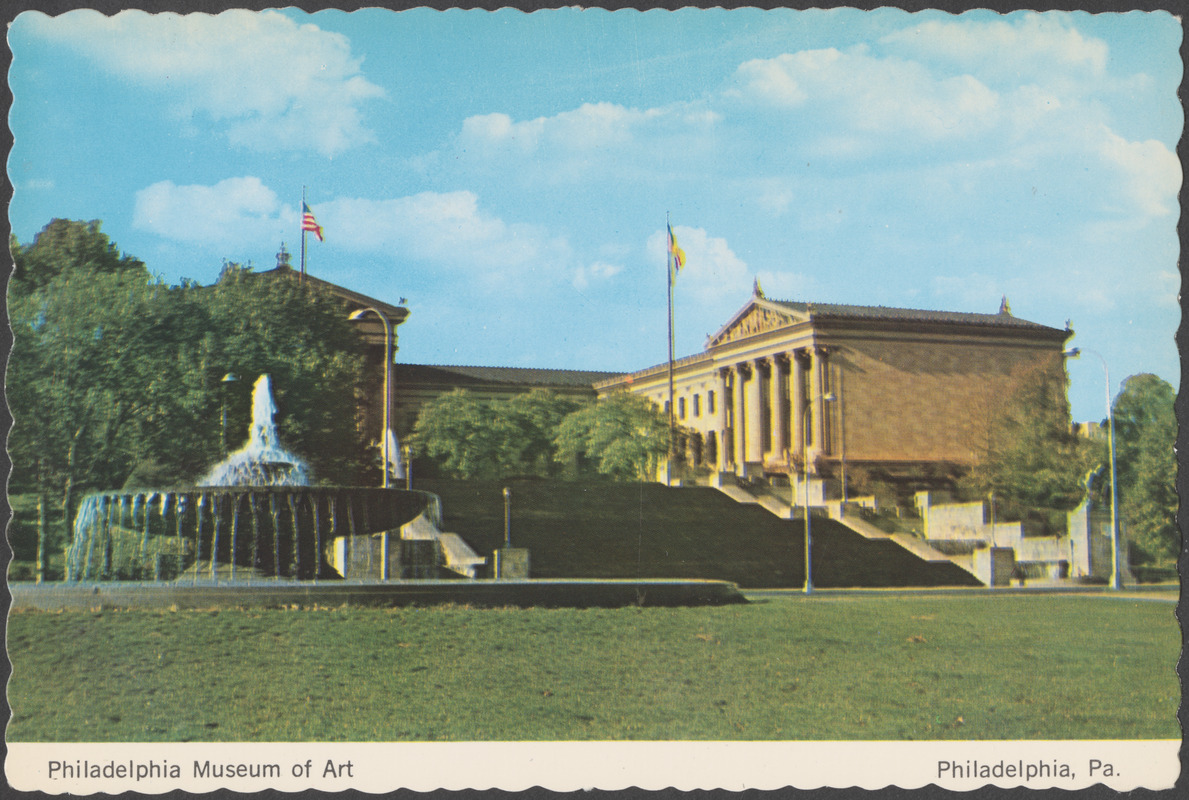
(709, 402)
(697, 405)
(681, 408)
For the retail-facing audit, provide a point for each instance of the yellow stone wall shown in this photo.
(926, 400)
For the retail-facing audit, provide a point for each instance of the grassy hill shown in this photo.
(619, 530)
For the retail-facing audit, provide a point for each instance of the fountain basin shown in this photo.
(230, 533)
(550, 593)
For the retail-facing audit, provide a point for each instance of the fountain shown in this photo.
(255, 533)
(254, 515)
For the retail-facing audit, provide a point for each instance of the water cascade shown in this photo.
(262, 461)
(252, 516)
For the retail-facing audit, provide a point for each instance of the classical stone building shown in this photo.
(901, 392)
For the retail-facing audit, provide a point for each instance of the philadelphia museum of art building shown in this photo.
(902, 392)
(905, 394)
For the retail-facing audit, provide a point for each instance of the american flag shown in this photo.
(308, 223)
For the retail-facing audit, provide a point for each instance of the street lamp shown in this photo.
(1110, 422)
(227, 379)
(842, 439)
(507, 518)
(825, 398)
(358, 314)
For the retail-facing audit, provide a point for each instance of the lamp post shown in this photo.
(842, 439)
(1110, 423)
(507, 518)
(358, 314)
(227, 379)
(825, 398)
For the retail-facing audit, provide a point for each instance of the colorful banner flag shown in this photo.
(308, 223)
(675, 252)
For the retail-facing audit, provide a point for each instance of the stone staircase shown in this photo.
(765, 498)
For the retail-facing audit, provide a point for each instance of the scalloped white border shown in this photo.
(571, 766)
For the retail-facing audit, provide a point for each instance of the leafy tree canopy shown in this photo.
(1032, 462)
(474, 438)
(624, 435)
(65, 248)
(272, 323)
(1145, 431)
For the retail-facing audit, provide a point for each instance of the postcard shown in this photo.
(710, 398)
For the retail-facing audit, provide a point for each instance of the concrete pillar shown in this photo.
(797, 403)
(724, 433)
(755, 414)
(820, 445)
(779, 403)
(739, 423)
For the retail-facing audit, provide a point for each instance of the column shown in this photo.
(739, 423)
(820, 445)
(724, 433)
(797, 364)
(755, 414)
(780, 406)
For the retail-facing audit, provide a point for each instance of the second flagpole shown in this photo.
(672, 418)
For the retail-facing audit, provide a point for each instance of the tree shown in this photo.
(1145, 431)
(114, 376)
(257, 323)
(536, 415)
(624, 435)
(64, 248)
(475, 438)
(457, 429)
(86, 347)
(1031, 461)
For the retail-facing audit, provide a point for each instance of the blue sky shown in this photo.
(510, 174)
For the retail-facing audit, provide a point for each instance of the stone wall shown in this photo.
(955, 520)
(928, 400)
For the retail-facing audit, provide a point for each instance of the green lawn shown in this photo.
(949, 667)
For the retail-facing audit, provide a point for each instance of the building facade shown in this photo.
(787, 385)
(783, 388)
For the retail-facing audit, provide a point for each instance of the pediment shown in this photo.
(758, 316)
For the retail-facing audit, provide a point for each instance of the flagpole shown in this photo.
(672, 420)
(303, 235)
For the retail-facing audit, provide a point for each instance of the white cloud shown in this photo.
(233, 212)
(594, 140)
(591, 126)
(1040, 48)
(448, 229)
(275, 84)
(1151, 173)
(869, 94)
(712, 270)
